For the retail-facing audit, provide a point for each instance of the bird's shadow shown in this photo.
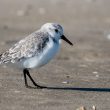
(74, 89)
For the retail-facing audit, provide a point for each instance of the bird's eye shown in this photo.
(56, 30)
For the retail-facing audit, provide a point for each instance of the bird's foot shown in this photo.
(40, 87)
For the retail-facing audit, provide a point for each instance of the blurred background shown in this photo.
(87, 24)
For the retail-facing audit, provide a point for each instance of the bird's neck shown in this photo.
(56, 41)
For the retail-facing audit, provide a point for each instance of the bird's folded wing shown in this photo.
(28, 47)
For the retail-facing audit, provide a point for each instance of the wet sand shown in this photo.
(79, 75)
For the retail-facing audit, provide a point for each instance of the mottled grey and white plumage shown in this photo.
(28, 47)
(35, 50)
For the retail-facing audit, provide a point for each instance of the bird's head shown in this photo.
(56, 31)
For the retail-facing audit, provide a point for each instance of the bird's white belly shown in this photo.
(44, 57)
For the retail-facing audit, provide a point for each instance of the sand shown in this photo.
(79, 75)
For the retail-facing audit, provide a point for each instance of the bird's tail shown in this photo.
(1, 59)
(4, 57)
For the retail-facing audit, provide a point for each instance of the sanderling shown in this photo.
(35, 50)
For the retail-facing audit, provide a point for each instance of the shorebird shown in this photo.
(35, 50)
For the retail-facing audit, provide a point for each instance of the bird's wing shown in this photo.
(28, 47)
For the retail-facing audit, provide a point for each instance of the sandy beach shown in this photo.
(78, 75)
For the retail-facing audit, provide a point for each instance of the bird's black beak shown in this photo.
(65, 39)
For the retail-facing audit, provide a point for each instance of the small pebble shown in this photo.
(65, 82)
(93, 107)
(97, 75)
(95, 72)
(108, 36)
(81, 108)
(17, 91)
(68, 76)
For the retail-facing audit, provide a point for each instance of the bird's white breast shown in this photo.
(44, 57)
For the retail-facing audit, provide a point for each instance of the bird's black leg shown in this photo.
(26, 72)
(25, 78)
